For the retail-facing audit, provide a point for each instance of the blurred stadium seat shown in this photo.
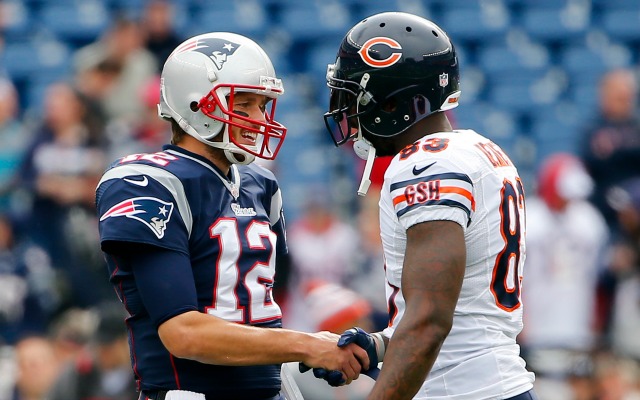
(557, 131)
(28, 59)
(622, 24)
(246, 18)
(552, 25)
(584, 63)
(79, 22)
(311, 20)
(16, 20)
(519, 59)
(475, 24)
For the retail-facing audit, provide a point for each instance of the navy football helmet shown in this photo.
(392, 70)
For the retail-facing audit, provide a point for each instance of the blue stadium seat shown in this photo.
(524, 59)
(319, 55)
(464, 4)
(557, 131)
(488, 120)
(251, 21)
(547, 24)
(583, 63)
(19, 59)
(310, 21)
(477, 25)
(584, 95)
(26, 59)
(622, 24)
(17, 24)
(472, 84)
(366, 8)
(513, 97)
(79, 22)
(617, 4)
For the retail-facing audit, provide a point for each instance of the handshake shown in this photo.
(371, 343)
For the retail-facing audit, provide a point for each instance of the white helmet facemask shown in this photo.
(199, 82)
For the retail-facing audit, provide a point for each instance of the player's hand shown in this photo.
(338, 365)
(366, 341)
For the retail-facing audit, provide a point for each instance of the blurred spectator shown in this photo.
(28, 292)
(611, 147)
(333, 307)
(617, 378)
(368, 278)
(624, 272)
(115, 68)
(566, 239)
(157, 23)
(14, 138)
(37, 368)
(150, 132)
(61, 169)
(104, 371)
(322, 246)
(71, 332)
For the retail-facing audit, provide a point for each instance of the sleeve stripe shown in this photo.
(451, 203)
(399, 199)
(448, 189)
(448, 175)
(462, 192)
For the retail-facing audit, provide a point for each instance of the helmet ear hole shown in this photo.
(421, 105)
(194, 106)
(390, 104)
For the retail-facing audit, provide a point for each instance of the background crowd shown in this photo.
(555, 82)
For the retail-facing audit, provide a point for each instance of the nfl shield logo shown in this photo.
(444, 79)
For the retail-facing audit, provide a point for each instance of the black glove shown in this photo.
(361, 338)
(333, 378)
(365, 340)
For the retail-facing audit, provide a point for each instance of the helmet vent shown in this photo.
(194, 106)
(382, 25)
(408, 28)
(435, 33)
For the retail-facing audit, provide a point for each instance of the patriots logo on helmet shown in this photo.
(218, 50)
(152, 212)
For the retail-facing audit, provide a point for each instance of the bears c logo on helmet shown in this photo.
(384, 41)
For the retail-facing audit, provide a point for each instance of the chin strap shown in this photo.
(364, 150)
(362, 146)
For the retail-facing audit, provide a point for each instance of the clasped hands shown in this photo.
(359, 337)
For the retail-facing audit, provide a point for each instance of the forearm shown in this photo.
(210, 340)
(409, 357)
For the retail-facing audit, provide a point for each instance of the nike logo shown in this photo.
(418, 171)
(143, 182)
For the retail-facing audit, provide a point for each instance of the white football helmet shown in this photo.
(199, 80)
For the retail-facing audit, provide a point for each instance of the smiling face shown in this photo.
(249, 105)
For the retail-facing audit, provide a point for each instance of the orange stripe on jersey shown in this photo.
(399, 199)
(443, 189)
(461, 192)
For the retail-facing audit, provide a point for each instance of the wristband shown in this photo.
(380, 347)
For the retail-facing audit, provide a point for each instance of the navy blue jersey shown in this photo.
(229, 229)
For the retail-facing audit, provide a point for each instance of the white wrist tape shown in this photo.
(380, 347)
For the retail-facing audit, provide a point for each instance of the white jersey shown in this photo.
(463, 177)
